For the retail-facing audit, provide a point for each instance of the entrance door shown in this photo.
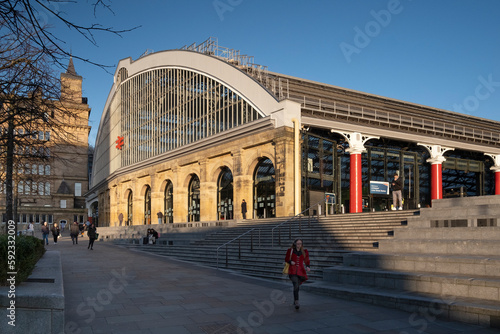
(264, 190)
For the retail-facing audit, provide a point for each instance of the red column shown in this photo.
(356, 191)
(497, 182)
(436, 181)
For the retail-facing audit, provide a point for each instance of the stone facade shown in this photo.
(67, 171)
(241, 156)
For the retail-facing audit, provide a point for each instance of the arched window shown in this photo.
(168, 204)
(194, 199)
(130, 208)
(225, 203)
(264, 189)
(147, 206)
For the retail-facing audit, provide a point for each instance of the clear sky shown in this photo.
(440, 53)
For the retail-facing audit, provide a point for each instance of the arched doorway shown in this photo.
(168, 203)
(194, 199)
(130, 209)
(147, 206)
(264, 189)
(225, 194)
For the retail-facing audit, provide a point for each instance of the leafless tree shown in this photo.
(30, 104)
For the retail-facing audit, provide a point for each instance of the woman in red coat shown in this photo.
(298, 259)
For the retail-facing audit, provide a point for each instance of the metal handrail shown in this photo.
(290, 220)
(239, 246)
(251, 236)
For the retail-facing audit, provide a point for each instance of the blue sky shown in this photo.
(439, 53)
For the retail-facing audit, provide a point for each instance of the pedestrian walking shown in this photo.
(244, 209)
(55, 232)
(45, 233)
(298, 259)
(92, 234)
(74, 230)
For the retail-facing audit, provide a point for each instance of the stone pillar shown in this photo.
(436, 160)
(242, 185)
(356, 143)
(180, 196)
(496, 169)
(284, 176)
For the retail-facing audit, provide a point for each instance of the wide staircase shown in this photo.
(446, 264)
(258, 247)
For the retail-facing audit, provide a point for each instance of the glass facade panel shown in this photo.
(147, 207)
(264, 189)
(168, 204)
(164, 109)
(225, 203)
(194, 199)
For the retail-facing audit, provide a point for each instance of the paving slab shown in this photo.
(112, 289)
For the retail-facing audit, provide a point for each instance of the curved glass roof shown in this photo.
(166, 108)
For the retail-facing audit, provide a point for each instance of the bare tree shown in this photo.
(30, 101)
(23, 18)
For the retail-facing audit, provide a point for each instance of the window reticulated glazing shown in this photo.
(164, 109)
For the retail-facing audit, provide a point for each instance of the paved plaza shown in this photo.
(112, 289)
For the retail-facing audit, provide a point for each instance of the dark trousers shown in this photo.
(297, 281)
(91, 243)
(55, 238)
(74, 237)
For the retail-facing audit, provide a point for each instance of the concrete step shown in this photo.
(421, 306)
(263, 262)
(430, 263)
(450, 233)
(486, 288)
(445, 247)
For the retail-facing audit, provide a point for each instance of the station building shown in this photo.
(187, 134)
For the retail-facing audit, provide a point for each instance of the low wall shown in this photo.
(38, 304)
(179, 232)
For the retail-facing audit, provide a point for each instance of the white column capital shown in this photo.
(496, 161)
(436, 152)
(355, 140)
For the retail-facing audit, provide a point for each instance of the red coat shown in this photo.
(300, 262)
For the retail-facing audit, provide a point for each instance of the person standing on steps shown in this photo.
(397, 193)
(244, 209)
(298, 259)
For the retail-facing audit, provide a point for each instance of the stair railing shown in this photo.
(298, 216)
(239, 245)
(251, 231)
